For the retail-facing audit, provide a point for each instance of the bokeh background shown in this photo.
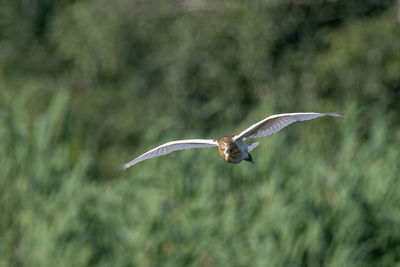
(88, 85)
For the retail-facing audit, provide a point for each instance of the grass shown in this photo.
(324, 192)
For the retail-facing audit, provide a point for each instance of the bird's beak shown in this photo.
(249, 158)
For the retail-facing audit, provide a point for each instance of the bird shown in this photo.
(233, 149)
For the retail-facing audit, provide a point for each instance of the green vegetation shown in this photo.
(88, 85)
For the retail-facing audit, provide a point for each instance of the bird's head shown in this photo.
(226, 144)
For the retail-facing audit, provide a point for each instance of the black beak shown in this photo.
(249, 158)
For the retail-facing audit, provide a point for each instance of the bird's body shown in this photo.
(233, 149)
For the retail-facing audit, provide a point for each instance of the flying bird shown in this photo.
(233, 149)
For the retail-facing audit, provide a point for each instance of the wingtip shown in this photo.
(123, 167)
(336, 114)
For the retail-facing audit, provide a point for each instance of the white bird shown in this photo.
(233, 149)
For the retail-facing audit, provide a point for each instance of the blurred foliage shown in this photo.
(88, 85)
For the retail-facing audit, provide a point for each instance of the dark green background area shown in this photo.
(88, 85)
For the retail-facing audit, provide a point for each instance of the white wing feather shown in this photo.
(171, 146)
(275, 123)
(251, 146)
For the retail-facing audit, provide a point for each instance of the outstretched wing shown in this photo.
(275, 123)
(172, 146)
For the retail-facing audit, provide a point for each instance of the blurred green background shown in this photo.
(88, 85)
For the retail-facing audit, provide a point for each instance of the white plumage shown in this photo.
(172, 146)
(275, 123)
